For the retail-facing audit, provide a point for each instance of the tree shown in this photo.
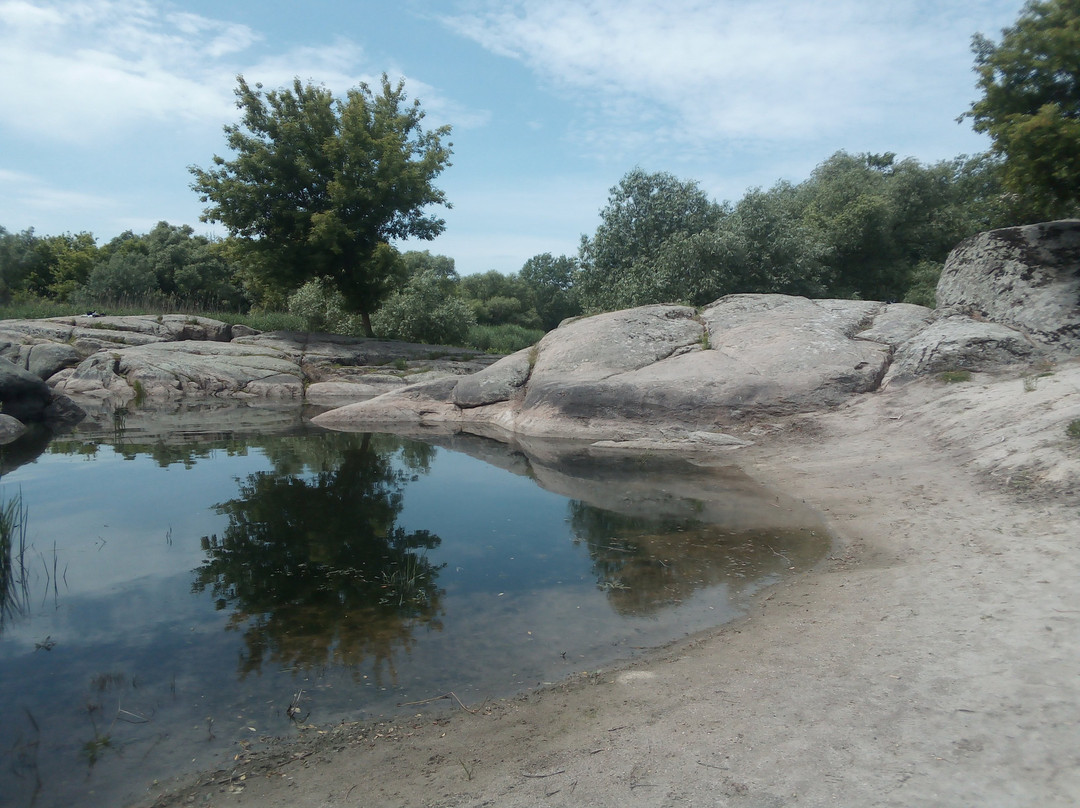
(498, 299)
(551, 281)
(319, 185)
(644, 210)
(1030, 105)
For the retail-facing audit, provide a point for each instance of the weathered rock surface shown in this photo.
(178, 369)
(498, 383)
(166, 357)
(952, 341)
(619, 375)
(1026, 278)
(1006, 297)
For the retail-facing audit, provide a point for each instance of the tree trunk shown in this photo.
(365, 318)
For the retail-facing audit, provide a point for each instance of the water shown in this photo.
(180, 598)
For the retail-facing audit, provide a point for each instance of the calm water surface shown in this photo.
(176, 600)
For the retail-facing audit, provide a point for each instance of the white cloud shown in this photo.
(80, 70)
(694, 72)
(83, 71)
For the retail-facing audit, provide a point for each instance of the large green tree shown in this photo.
(317, 185)
(644, 210)
(1030, 105)
(551, 281)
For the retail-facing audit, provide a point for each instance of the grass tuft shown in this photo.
(955, 376)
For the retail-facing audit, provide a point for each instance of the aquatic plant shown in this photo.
(14, 586)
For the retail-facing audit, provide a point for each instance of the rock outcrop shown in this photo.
(1007, 297)
(620, 374)
(118, 359)
(1026, 278)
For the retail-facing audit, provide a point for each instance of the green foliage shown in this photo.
(922, 285)
(861, 226)
(498, 299)
(1030, 105)
(643, 212)
(426, 310)
(1073, 429)
(955, 376)
(318, 187)
(126, 275)
(502, 339)
(44, 266)
(550, 281)
(322, 308)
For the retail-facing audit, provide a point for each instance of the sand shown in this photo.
(932, 659)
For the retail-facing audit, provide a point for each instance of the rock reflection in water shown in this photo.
(316, 570)
(659, 529)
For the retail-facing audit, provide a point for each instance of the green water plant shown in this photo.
(14, 585)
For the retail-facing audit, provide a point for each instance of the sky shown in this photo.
(104, 104)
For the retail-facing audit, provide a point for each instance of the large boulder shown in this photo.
(953, 341)
(22, 394)
(623, 374)
(1026, 278)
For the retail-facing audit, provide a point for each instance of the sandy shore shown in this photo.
(933, 659)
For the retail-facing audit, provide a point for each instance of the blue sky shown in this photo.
(105, 103)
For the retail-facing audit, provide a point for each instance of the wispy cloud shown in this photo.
(88, 68)
(696, 72)
(83, 71)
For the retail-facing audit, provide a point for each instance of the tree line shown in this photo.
(318, 189)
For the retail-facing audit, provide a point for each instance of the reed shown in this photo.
(14, 582)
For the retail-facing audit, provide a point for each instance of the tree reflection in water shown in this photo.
(647, 563)
(315, 568)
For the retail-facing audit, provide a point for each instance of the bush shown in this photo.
(922, 289)
(322, 308)
(425, 311)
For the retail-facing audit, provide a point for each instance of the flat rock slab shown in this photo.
(176, 369)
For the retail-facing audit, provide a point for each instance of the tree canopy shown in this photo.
(862, 225)
(644, 210)
(318, 187)
(1030, 105)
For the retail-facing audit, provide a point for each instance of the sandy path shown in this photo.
(934, 659)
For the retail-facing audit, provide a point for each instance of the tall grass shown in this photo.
(502, 339)
(14, 585)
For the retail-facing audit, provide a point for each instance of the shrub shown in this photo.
(425, 311)
(322, 308)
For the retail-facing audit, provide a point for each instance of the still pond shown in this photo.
(175, 598)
